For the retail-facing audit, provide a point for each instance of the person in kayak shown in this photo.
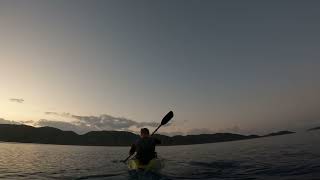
(145, 147)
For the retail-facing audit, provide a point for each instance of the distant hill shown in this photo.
(49, 135)
(279, 133)
(313, 129)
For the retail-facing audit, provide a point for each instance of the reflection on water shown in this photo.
(295, 156)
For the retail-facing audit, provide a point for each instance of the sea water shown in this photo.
(289, 157)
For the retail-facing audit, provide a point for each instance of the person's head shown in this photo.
(144, 132)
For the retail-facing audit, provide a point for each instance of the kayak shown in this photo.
(154, 165)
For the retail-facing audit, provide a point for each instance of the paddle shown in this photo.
(164, 121)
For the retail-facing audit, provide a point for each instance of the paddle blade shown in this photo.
(167, 118)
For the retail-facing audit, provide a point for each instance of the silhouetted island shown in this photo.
(278, 133)
(313, 129)
(49, 135)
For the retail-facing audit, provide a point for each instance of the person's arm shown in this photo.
(132, 150)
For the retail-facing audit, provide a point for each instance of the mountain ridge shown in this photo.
(313, 129)
(51, 135)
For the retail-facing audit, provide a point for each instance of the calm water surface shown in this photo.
(295, 156)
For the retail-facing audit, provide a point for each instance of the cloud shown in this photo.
(27, 122)
(64, 114)
(200, 131)
(66, 126)
(17, 100)
(107, 121)
(4, 121)
(83, 124)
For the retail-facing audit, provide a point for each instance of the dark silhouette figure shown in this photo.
(145, 147)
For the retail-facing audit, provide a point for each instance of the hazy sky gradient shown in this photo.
(246, 66)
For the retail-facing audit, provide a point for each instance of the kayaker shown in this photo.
(145, 147)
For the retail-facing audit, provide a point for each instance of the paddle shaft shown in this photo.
(156, 129)
(124, 161)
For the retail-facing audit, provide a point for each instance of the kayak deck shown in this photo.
(154, 165)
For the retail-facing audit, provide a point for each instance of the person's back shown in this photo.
(145, 147)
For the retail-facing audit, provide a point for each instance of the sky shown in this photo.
(220, 66)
